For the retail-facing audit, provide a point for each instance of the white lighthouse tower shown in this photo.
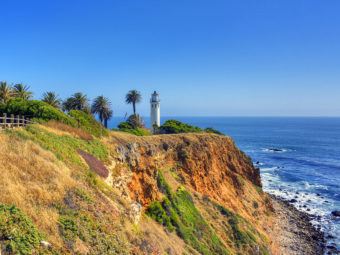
(155, 110)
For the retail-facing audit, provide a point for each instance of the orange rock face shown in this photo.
(207, 165)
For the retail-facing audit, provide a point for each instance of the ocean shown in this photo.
(298, 157)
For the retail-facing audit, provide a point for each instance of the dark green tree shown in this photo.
(102, 106)
(22, 91)
(78, 101)
(6, 92)
(52, 99)
(133, 97)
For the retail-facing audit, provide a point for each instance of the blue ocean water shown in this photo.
(299, 159)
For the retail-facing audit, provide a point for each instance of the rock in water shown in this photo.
(275, 150)
(336, 213)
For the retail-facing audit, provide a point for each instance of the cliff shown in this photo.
(123, 194)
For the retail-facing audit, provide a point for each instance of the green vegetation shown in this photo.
(35, 109)
(133, 97)
(52, 99)
(243, 234)
(88, 123)
(102, 106)
(133, 126)
(78, 101)
(178, 212)
(22, 91)
(18, 235)
(212, 130)
(42, 111)
(98, 233)
(5, 92)
(63, 146)
(177, 127)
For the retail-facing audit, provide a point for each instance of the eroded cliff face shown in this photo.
(209, 166)
(207, 163)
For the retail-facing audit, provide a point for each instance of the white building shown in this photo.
(155, 114)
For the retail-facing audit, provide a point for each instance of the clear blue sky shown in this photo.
(249, 57)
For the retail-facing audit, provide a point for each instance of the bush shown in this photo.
(212, 130)
(17, 232)
(127, 127)
(42, 111)
(157, 212)
(35, 109)
(176, 127)
(88, 123)
(96, 232)
(135, 121)
(178, 212)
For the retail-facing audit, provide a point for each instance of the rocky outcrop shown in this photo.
(207, 163)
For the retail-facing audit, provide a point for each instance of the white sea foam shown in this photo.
(310, 186)
(275, 150)
(268, 169)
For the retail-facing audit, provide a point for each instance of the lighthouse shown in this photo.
(155, 113)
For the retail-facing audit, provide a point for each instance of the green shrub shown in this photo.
(243, 234)
(17, 232)
(125, 125)
(157, 212)
(35, 109)
(63, 146)
(91, 229)
(178, 212)
(128, 128)
(176, 127)
(212, 130)
(135, 121)
(41, 111)
(88, 123)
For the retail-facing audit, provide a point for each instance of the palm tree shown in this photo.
(133, 97)
(107, 115)
(22, 91)
(78, 101)
(52, 99)
(5, 92)
(102, 106)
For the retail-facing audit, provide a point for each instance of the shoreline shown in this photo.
(294, 232)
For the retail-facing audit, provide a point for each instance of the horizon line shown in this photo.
(241, 116)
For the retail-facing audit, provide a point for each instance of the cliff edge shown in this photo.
(67, 192)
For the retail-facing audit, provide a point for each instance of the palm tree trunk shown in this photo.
(101, 118)
(105, 123)
(134, 108)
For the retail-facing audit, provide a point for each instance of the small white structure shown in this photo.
(155, 114)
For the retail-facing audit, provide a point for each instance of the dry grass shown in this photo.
(154, 235)
(58, 126)
(33, 179)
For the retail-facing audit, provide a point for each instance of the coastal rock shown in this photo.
(336, 213)
(275, 150)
